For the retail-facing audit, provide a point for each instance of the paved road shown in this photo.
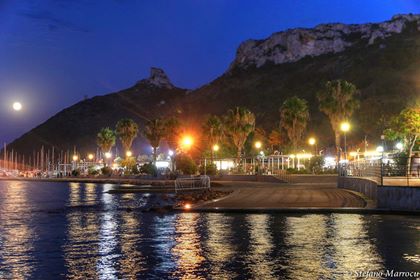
(300, 195)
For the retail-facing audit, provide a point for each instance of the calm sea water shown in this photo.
(78, 231)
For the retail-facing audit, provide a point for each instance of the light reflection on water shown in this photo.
(16, 252)
(261, 264)
(187, 251)
(79, 231)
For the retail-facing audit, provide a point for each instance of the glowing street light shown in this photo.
(312, 141)
(258, 144)
(108, 155)
(171, 153)
(17, 106)
(75, 157)
(345, 126)
(399, 146)
(380, 149)
(216, 147)
(128, 153)
(187, 142)
(90, 156)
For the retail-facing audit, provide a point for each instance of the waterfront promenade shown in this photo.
(305, 193)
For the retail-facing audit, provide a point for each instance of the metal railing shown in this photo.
(192, 183)
(386, 172)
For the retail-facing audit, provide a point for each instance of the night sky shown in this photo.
(53, 53)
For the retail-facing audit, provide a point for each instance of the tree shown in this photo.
(105, 139)
(275, 139)
(239, 123)
(406, 127)
(127, 131)
(294, 116)
(154, 131)
(171, 132)
(338, 101)
(213, 130)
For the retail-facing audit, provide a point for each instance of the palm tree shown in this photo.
(337, 100)
(294, 116)
(171, 131)
(127, 131)
(105, 140)
(239, 122)
(213, 129)
(154, 131)
(275, 139)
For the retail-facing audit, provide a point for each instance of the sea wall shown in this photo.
(250, 178)
(386, 197)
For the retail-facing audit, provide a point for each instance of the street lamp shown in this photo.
(90, 156)
(345, 127)
(216, 148)
(258, 144)
(108, 155)
(75, 157)
(312, 142)
(128, 153)
(187, 142)
(399, 146)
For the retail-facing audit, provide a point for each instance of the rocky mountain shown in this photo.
(381, 59)
(294, 44)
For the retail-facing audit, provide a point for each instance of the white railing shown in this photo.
(192, 183)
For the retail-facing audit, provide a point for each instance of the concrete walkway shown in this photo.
(305, 194)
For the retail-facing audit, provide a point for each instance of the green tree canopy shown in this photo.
(214, 131)
(294, 116)
(105, 139)
(154, 131)
(405, 127)
(239, 123)
(338, 101)
(126, 130)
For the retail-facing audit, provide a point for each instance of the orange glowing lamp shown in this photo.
(187, 142)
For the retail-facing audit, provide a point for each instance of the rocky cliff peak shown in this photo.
(294, 44)
(157, 78)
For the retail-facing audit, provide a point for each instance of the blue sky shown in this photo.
(53, 53)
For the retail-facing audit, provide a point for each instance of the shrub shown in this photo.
(135, 170)
(107, 171)
(316, 164)
(211, 169)
(75, 172)
(128, 163)
(149, 168)
(296, 171)
(185, 164)
(93, 171)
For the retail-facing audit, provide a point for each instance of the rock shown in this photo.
(294, 44)
(157, 78)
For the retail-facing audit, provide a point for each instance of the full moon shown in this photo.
(17, 106)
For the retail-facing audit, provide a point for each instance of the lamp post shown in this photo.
(108, 155)
(215, 149)
(312, 142)
(187, 142)
(258, 146)
(345, 127)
